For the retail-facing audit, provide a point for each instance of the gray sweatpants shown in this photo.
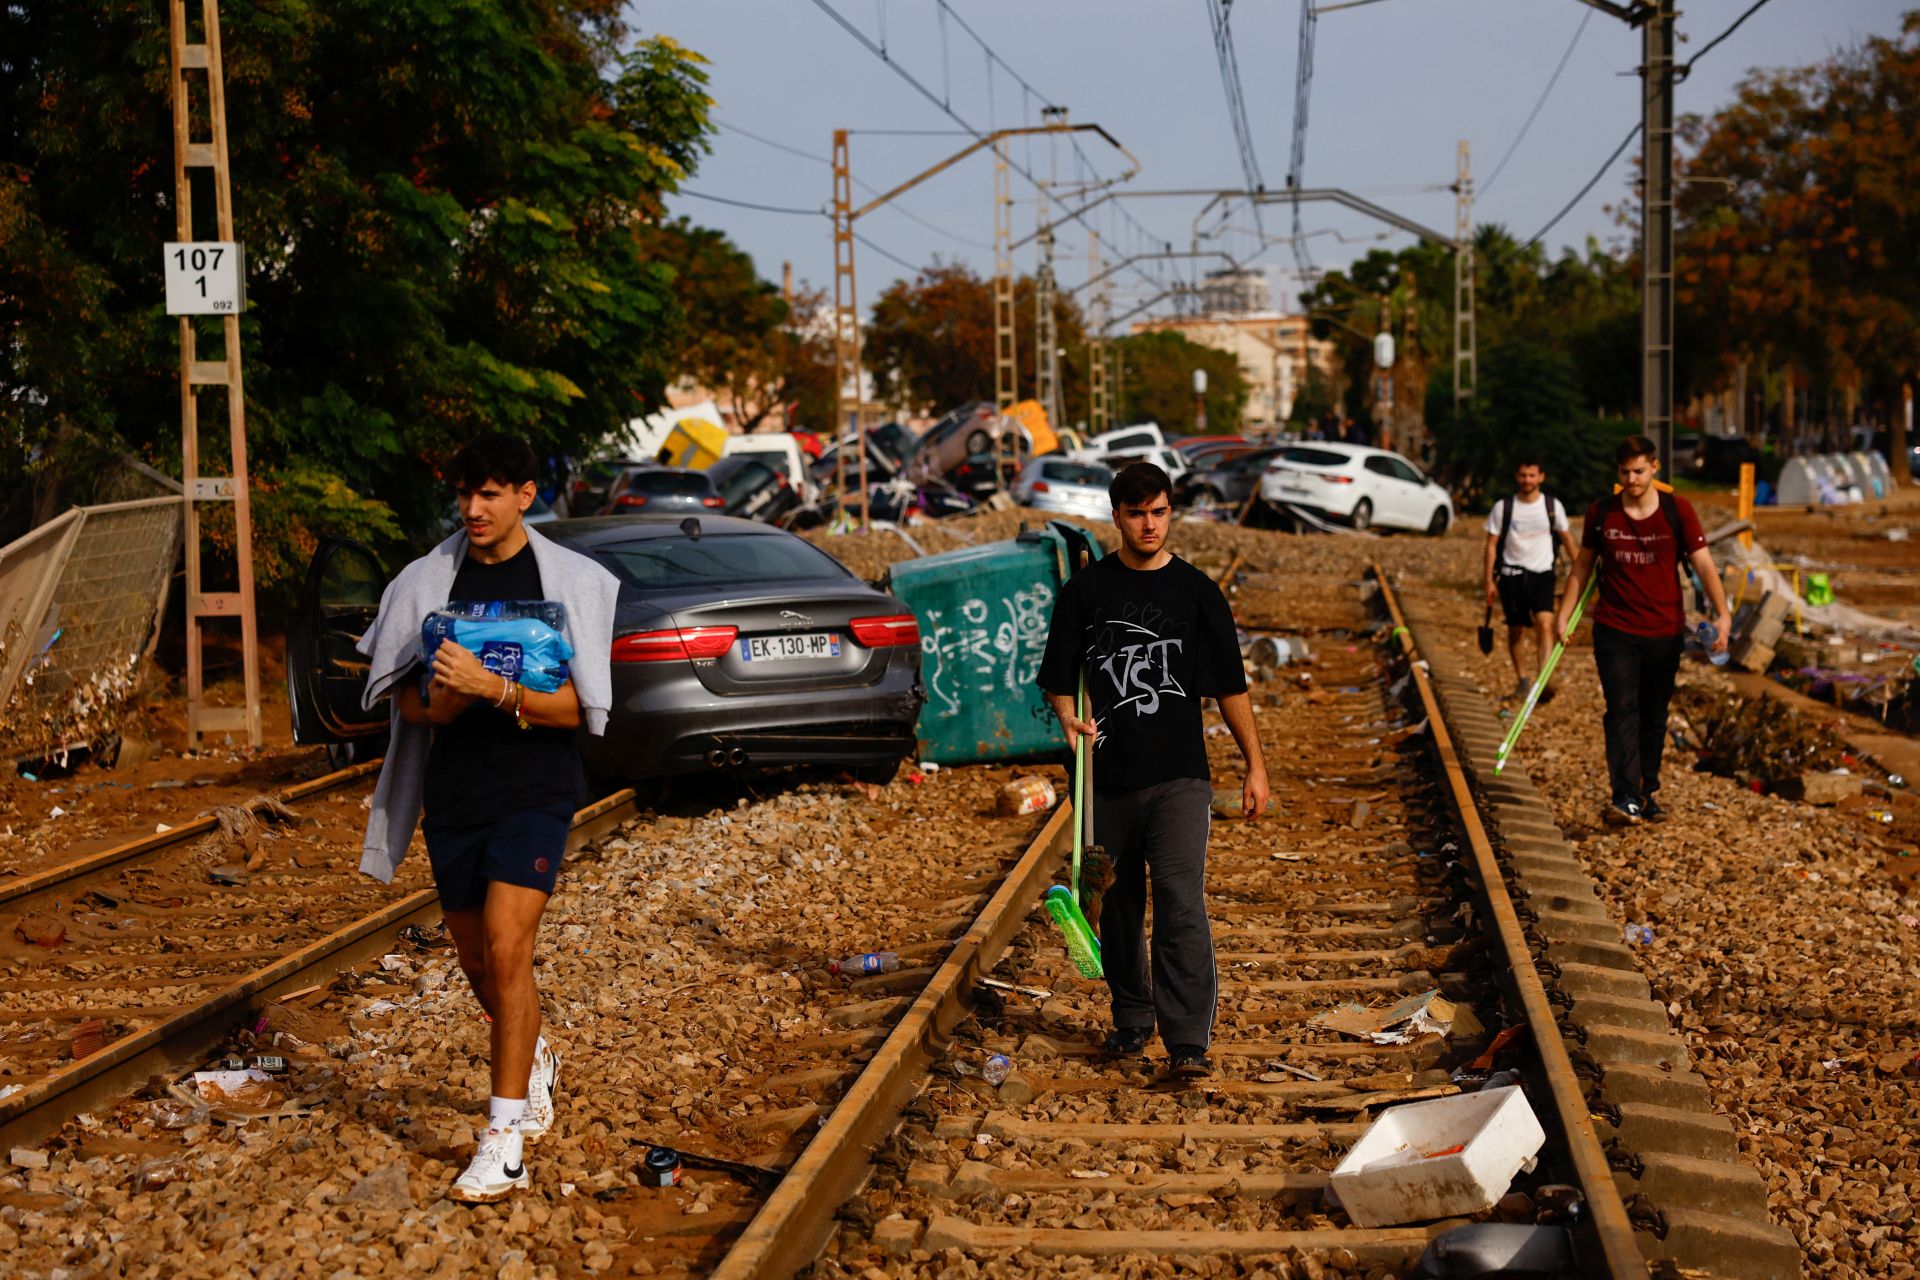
(1160, 830)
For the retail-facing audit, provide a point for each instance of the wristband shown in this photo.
(506, 687)
(519, 704)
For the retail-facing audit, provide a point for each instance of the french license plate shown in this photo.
(801, 647)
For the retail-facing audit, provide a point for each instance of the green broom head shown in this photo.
(1081, 944)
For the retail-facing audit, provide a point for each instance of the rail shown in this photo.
(1610, 1225)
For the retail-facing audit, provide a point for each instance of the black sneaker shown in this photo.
(1650, 811)
(1188, 1062)
(1623, 813)
(1127, 1042)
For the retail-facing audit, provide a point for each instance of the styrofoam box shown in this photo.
(1390, 1177)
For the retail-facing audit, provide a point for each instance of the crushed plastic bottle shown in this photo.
(996, 1068)
(871, 962)
(1708, 633)
(1639, 935)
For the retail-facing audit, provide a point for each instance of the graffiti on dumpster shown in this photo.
(988, 647)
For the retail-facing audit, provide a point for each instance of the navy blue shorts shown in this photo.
(524, 848)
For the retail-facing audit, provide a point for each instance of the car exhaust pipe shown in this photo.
(737, 757)
(717, 758)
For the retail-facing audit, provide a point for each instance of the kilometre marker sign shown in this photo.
(205, 278)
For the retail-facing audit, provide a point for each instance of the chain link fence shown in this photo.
(80, 604)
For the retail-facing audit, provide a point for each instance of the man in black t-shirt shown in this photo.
(503, 777)
(1154, 636)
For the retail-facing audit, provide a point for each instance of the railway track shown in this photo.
(135, 961)
(1353, 891)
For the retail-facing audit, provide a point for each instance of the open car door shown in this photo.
(325, 672)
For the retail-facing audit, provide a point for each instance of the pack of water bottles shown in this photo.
(522, 640)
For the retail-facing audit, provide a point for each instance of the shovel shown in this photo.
(1486, 632)
(1546, 674)
(1063, 903)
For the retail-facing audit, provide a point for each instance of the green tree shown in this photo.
(439, 205)
(929, 343)
(1156, 382)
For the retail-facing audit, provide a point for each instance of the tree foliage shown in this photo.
(929, 343)
(439, 205)
(1156, 382)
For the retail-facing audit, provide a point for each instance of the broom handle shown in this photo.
(1079, 783)
(1546, 673)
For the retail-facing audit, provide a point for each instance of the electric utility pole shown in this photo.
(1657, 74)
(1466, 366)
(1005, 367)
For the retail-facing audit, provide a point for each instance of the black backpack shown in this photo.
(1506, 524)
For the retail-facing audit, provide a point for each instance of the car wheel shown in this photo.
(1208, 500)
(978, 442)
(878, 775)
(1438, 525)
(1362, 517)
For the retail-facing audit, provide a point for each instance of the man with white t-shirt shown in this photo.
(1519, 568)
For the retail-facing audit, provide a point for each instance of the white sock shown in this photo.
(505, 1113)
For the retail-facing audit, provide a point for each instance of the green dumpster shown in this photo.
(983, 614)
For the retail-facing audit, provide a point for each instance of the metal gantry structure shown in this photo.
(1006, 368)
(1466, 364)
(204, 56)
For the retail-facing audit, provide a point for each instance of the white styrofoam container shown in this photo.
(1389, 1178)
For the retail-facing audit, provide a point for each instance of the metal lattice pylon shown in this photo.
(1046, 343)
(1005, 368)
(1466, 374)
(846, 322)
(225, 373)
(1098, 412)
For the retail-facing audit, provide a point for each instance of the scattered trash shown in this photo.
(1086, 1173)
(1418, 1015)
(58, 812)
(1023, 796)
(1038, 993)
(996, 1068)
(161, 828)
(1447, 1158)
(179, 1113)
(871, 962)
(87, 1038)
(10, 1090)
(661, 1167)
(929, 768)
(244, 1088)
(1639, 935)
(378, 1007)
(1276, 1071)
(152, 1175)
(231, 874)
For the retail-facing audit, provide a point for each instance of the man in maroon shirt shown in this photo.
(1641, 536)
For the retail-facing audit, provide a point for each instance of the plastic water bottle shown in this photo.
(996, 1068)
(871, 962)
(1708, 634)
(1639, 935)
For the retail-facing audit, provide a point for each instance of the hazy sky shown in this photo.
(1396, 85)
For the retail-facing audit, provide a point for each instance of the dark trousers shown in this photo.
(1636, 674)
(1159, 830)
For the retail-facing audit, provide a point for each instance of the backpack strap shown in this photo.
(1506, 524)
(1670, 508)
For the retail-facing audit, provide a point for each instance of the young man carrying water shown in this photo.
(496, 767)
(1154, 636)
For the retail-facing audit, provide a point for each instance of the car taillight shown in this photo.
(677, 642)
(711, 501)
(878, 633)
(1337, 479)
(1040, 486)
(631, 500)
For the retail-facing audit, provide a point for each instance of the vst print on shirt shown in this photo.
(1142, 671)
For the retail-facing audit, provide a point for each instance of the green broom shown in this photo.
(1063, 903)
(1546, 674)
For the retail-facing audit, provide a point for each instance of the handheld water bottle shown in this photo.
(1708, 634)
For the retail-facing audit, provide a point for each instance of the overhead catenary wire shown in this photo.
(1025, 170)
(1680, 73)
(868, 187)
(805, 213)
(1482, 189)
(1220, 18)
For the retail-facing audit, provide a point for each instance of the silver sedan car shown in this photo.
(1071, 488)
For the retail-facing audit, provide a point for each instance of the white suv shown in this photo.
(1358, 486)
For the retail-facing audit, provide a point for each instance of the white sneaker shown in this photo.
(497, 1170)
(540, 1089)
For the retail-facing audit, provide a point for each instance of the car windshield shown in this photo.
(737, 476)
(774, 458)
(663, 483)
(1075, 473)
(1314, 457)
(716, 559)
